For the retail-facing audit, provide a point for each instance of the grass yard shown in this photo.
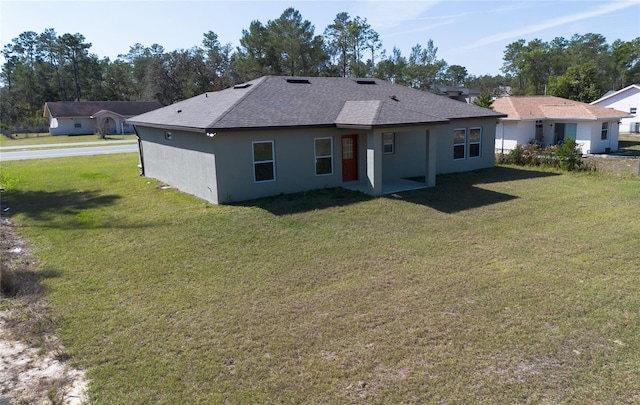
(501, 286)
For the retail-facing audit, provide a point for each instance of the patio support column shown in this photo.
(374, 162)
(430, 169)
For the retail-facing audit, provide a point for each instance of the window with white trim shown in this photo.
(632, 110)
(475, 140)
(323, 151)
(459, 143)
(388, 143)
(604, 134)
(264, 162)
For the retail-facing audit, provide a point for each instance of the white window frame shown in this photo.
(256, 162)
(463, 144)
(316, 156)
(388, 140)
(633, 110)
(604, 132)
(479, 143)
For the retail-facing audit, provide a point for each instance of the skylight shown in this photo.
(242, 86)
(299, 81)
(366, 81)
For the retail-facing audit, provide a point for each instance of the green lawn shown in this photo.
(501, 286)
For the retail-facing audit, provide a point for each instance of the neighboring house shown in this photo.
(276, 135)
(84, 117)
(549, 120)
(628, 100)
(456, 92)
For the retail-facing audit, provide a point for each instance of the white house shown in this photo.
(628, 100)
(549, 120)
(83, 117)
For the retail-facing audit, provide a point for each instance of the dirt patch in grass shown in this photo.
(34, 367)
(619, 165)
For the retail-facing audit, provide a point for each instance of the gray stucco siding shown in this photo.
(445, 161)
(186, 161)
(409, 157)
(294, 163)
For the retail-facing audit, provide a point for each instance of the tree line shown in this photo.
(50, 67)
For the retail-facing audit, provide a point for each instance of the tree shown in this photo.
(580, 83)
(75, 52)
(285, 46)
(217, 58)
(484, 100)
(423, 67)
(514, 62)
(455, 75)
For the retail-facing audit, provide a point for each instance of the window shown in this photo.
(388, 143)
(77, 124)
(604, 135)
(167, 136)
(459, 143)
(633, 110)
(475, 140)
(324, 156)
(264, 164)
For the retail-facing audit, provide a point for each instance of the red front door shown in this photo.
(349, 157)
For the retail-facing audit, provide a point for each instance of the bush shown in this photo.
(567, 156)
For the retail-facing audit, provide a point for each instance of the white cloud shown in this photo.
(386, 14)
(555, 22)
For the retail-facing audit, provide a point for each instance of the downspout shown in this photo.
(140, 154)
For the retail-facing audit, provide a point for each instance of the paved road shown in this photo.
(54, 153)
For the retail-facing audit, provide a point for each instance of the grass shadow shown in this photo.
(40, 205)
(459, 192)
(453, 193)
(307, 201)
(628, 148)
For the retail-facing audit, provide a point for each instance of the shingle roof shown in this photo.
(551, 107)
(59, 109)
(276, 102)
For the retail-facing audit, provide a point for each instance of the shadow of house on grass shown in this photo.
(453, 193)
(73, 204)
(459, 192)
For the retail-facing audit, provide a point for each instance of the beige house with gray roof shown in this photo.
(276, 135)
(549, 120)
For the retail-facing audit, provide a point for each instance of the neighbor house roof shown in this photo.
(612, 93)
(278, 102)
(551, 107)
(57, 109)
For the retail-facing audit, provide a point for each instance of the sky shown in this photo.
(473, 34)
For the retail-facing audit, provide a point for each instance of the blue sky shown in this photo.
(469, 33)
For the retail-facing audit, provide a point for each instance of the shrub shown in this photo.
(567, 156)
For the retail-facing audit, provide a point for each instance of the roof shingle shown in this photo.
(551, 107)
(274, 101)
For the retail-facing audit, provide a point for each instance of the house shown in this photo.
(549, 120)
(276, 135)
(84, 117)
(456, 92)
(628, 100)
